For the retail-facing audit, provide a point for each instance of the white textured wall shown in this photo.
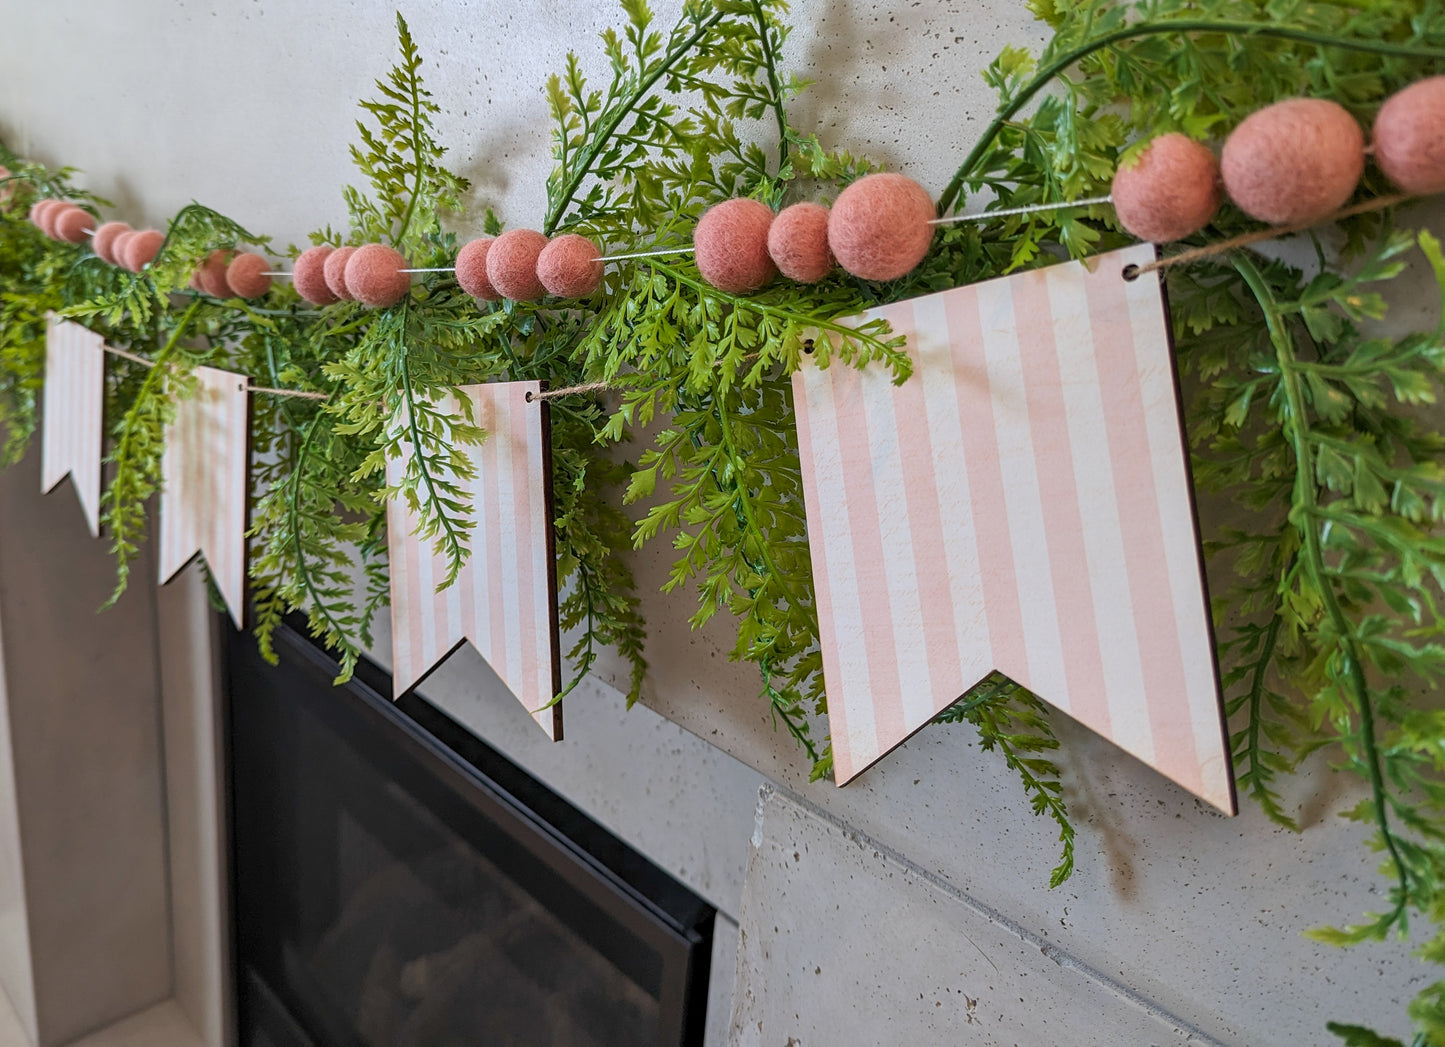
(248, 107)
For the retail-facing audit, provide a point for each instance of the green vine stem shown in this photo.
(1297, 428)
(1074, 55)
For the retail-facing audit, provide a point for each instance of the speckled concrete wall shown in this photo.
(1188, 918)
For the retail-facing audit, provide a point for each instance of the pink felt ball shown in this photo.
(730, 245)
(105, 239)
(879, 229)
(7, 188)
(1170, 191)
(374, 276)
(119, 244)
(569, 268)
(472, 270)
(1293, 162)
(211, 274)
(334, 270)
(39, 209)
(308, 274)
(51, 215)
(798, 243)
(1409, 137)
(512, 264)
(141, 248)
(73, 225)
(247, 277)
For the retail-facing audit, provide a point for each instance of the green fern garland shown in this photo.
(1300, 416)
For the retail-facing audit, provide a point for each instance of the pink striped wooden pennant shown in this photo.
(505, 599)
(72, 441)
(204, 484)
(1022, 504)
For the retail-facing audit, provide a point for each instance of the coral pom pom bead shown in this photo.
(211, 274)
(51, 215)
(39, 209)
(512, 264)
(247, 277)
(472, 270)
(1409, 137)
(308, 274)
(730, 245)
(1293, 162)
(569, 266)
(104, 241)
(73, 225)
(374, 276)
(878, 229)
(798, 243)
(334, 270)
(140, 249)
(1170, 191)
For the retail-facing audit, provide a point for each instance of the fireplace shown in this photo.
(400, 884)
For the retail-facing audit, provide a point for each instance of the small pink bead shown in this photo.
(569, 268)
(472, 270)
(512, 264)
(334, 269)
(308, 275)
(247, 277)
(374, 276)
(730, 246)
(798, 243)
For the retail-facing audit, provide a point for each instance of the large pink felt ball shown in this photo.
(1293, 162)
(730, 246)
(374, 276)
(1409, 137)
(1170, 191)
(73, 224)
(141, 248)
(104, 241)
(334, 270)
(512, 264)
(798, 243)
(211, 274)
(472, 270)
(879, 229)
(247, 277)
(570, 266)
(308, 274)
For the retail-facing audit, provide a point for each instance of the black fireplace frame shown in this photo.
(529, 830)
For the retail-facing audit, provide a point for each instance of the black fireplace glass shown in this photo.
(400, 884)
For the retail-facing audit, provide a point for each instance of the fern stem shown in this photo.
(1298, 427)
(608, 127)
(125, 452)
(1133, 32)
(770, 60)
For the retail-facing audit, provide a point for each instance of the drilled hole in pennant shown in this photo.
(807, 345)
(529, 396)
(1130, 272)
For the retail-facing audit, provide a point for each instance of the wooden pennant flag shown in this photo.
(1021, 504)
(204, 484)
(72, 439)
(505, 599)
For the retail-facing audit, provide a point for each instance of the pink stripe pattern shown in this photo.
(1022, 504)
(204, 484)
(504, 602)
(71, 427)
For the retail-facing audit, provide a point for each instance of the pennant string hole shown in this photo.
(1130, 272)
(807, 345)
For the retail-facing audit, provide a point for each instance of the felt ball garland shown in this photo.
(1290, 164)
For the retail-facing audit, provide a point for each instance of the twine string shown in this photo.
(296, 393)
(1195, 254)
